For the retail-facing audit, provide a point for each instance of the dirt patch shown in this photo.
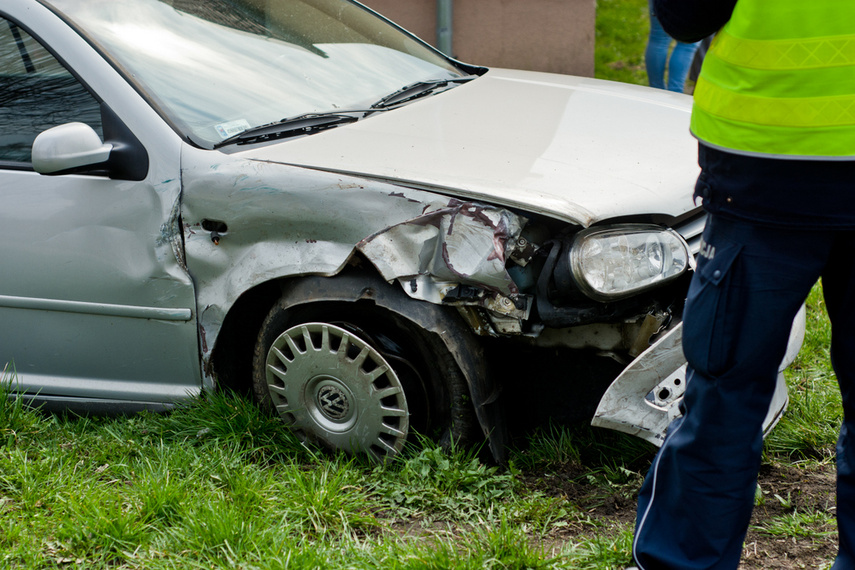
(793, 491)
(789, 494)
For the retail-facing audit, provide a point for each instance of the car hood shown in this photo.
(577, 149)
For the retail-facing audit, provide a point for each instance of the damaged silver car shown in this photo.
(299, 199)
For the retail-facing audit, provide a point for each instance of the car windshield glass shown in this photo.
(216, 68)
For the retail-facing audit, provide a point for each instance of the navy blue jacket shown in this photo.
(693, 20)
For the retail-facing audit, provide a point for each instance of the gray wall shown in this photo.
(540, 35)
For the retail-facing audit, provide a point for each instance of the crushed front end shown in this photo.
(562, 310)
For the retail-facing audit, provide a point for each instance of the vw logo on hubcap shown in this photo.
(333, 402)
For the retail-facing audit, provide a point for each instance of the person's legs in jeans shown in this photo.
(656, 56)
(679, 65)
(656, 53)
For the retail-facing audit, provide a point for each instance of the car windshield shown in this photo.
(216, 68)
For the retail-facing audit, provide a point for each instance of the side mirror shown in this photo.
(68, 147)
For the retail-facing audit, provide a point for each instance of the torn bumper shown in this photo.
(644, 399)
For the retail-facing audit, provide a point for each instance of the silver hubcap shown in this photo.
(331, 386)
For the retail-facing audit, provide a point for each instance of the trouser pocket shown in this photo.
(710, 306)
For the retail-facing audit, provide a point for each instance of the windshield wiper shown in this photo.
(305, 124)
(310, 123)
(418, 89)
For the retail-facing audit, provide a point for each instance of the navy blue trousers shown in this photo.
(695, 505)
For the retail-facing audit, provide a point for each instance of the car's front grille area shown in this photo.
(691, 228)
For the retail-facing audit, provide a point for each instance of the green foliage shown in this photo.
(815, 524)
(508, 545)
(16, 419)
(607, 550)
(215, 484)
(436, 484)
(616, 479)
(102, 526)
(226, 416)
(330, 499)
(560, 446)
(553, 447)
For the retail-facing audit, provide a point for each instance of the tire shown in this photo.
(358, 378)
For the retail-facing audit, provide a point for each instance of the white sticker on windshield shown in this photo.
(232, 128)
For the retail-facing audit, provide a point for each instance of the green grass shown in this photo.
(606, 550)
(810, 427)
(621, 37)
(180, 491)
(815, 525)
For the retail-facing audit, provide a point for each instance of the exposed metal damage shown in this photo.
(435, 247)
(437, 255)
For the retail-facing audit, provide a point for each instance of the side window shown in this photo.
(36, 93)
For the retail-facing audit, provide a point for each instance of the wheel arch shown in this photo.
(232, 355)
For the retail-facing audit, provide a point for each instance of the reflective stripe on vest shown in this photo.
(792, 97)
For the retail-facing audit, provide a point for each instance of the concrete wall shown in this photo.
(540, 35)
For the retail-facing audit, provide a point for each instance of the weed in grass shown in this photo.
(614, 475)
(160, 491)
(160, 504)
(441, 484)
(561, 446)
(18, 547)
(30, 481)
(551, 447)
(15, 417)
(509, 546)
(484, 548)
(810, 427)
(539, 515)
(607, 550)
(281, 556)
(811, 524)
(759, 496)
(442, 553)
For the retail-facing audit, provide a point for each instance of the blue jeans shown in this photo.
(656, 56)
(695, 505)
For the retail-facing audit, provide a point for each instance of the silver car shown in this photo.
(299, 199)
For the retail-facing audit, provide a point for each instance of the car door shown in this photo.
(95, 305)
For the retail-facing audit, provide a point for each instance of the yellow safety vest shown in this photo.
(779, 80)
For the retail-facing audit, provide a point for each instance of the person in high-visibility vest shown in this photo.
(774, 115)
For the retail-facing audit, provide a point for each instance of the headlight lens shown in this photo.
(618, 261)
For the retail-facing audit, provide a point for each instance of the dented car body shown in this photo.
(370, 265)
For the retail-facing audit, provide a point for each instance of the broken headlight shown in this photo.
(618, 261)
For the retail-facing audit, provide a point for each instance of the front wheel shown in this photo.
(357, 378)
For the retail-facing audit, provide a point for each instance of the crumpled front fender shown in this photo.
(248, 222)
(463, 243)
